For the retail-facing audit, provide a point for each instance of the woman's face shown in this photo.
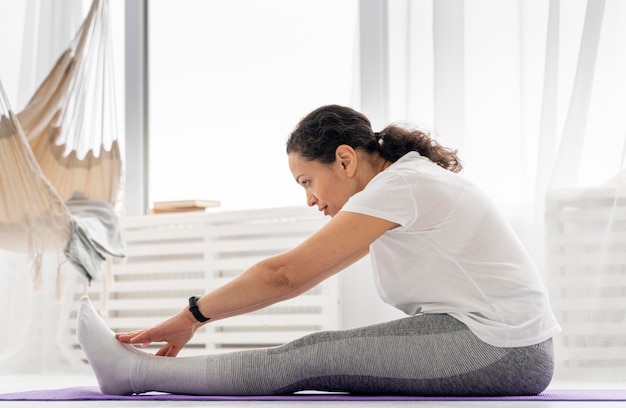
(326, 185)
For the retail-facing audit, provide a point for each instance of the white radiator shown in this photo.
(586, 255)
(172, 257)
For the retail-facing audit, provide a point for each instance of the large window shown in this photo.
(228, 81)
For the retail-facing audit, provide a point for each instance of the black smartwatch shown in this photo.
(193, 308)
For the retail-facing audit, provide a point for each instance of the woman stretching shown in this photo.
(479, 320)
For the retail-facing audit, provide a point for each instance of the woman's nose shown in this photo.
(311, 200)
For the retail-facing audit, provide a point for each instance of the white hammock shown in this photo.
(60, 164)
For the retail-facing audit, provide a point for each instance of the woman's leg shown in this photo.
(421, 355)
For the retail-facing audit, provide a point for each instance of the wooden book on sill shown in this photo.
(166, 207)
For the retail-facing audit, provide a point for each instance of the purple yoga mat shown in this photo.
(93, 393)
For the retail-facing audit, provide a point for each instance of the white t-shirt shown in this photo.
(453, 253)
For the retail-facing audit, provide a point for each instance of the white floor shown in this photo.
(15, 383)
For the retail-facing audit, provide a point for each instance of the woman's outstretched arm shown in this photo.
(341, 242)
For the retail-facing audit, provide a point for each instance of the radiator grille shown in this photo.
(172, 257)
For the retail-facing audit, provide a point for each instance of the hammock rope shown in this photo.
(62, 149)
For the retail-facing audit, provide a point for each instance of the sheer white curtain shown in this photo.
(533, 95)
(530, 92)
(34, 34)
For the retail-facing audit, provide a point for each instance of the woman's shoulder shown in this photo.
(415, 169)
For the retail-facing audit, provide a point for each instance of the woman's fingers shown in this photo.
(125, 337)
(168, 350)
(135, 337)
(175, 332)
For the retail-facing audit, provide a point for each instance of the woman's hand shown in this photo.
(175, 331)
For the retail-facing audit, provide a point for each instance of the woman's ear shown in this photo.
(346, 157)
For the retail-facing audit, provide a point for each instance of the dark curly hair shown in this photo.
(318, 135)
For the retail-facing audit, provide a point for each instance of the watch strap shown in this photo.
(193, 308)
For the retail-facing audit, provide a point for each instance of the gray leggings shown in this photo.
(421, 355)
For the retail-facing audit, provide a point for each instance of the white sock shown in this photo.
(110, 359)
